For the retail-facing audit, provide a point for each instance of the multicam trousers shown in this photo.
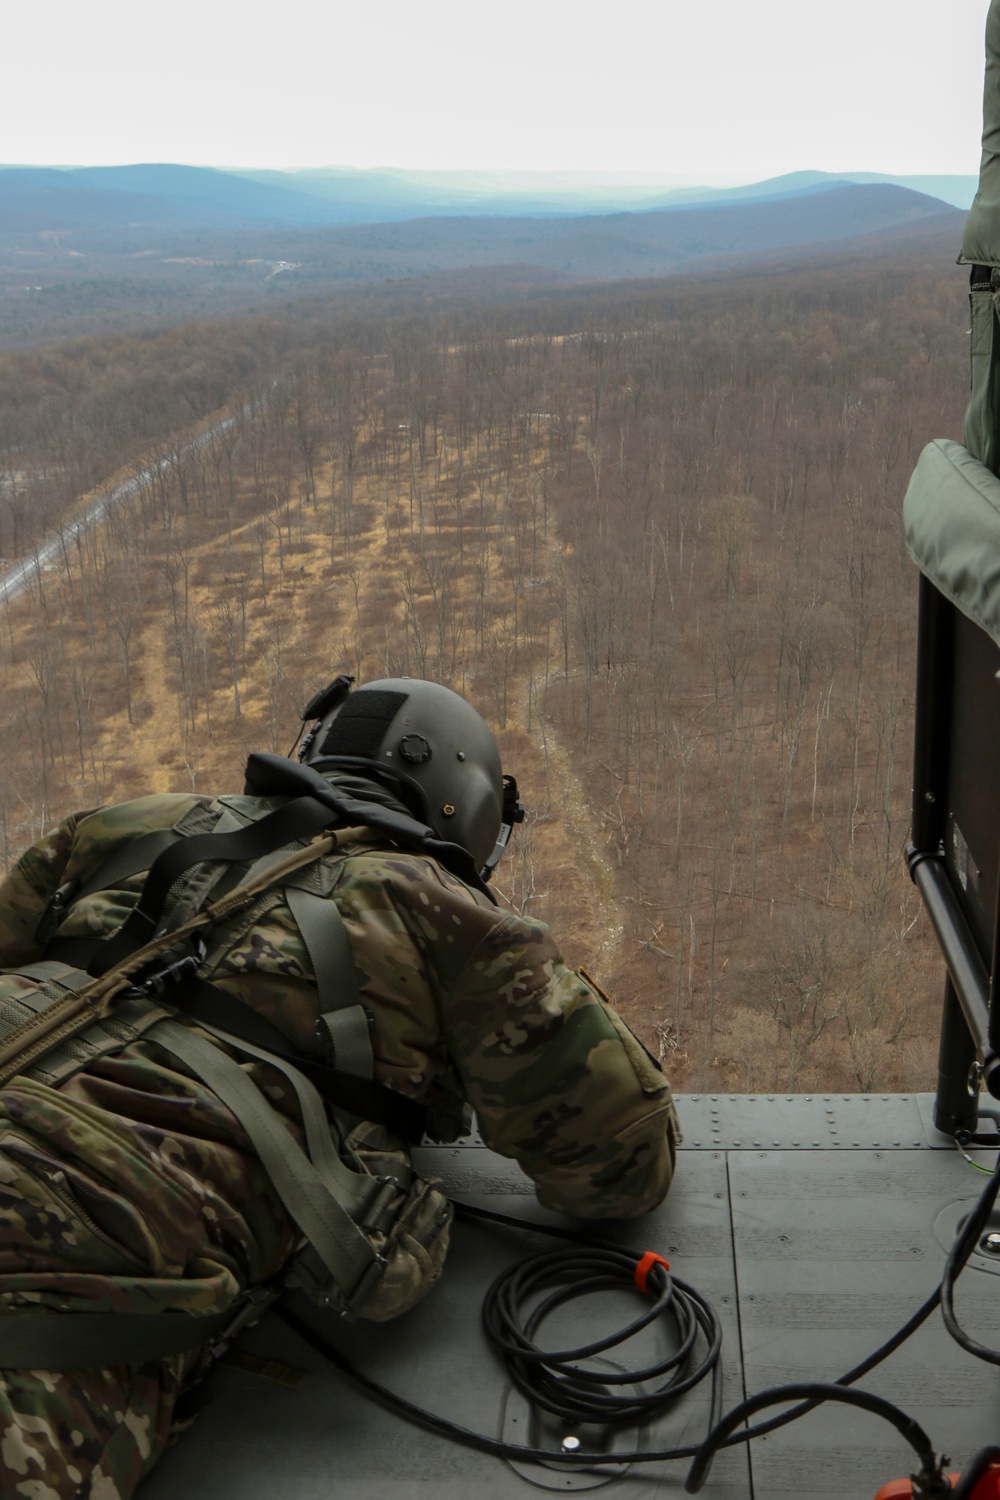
(84, 1434)
(130, 1189)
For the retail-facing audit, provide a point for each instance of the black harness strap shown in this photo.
(314, 806)
(297, 820)
(130, 859)
(204, 1001)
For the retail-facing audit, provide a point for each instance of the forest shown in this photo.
(650, 528)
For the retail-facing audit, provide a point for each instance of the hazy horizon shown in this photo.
(662, 92)
(620, 176)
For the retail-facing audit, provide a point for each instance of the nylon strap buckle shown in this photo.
(308, 1274)
(156, 985)
(378, 1210)
(250, 1309)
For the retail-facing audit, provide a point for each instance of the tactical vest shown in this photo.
(352, 1192)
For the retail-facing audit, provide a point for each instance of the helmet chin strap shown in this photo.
(503, 838)
(513, 812)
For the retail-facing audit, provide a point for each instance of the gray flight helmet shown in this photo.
(429, 744)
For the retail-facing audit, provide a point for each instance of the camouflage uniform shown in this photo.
(131, 1187)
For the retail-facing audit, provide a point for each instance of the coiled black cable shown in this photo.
(561, 1397)
(708, 1365)
(555, 1380)
(720, 1434)
(957, 1258)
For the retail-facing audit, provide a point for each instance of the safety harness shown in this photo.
(211, 878)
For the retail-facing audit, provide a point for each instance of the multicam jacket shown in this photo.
(131, 1187)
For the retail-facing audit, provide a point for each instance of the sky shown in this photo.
(674, 90)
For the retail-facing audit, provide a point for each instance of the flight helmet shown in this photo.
(430, 746)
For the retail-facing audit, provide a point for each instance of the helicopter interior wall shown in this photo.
(972, 800)
(815, 1224)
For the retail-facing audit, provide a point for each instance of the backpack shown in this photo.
(375, 1232)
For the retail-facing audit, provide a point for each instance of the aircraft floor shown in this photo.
(814, 1224)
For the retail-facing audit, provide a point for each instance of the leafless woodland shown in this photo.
(652, 530)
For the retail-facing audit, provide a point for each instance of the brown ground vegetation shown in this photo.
(653, 534)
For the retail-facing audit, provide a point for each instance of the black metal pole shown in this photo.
(966, 1022)
(994, 999)
(935, 633)
(956, 1106)
(965, 1018)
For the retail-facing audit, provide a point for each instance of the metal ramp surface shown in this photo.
(815, 1225)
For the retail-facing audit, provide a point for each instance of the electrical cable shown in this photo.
(577, 1396)
(720, 1435)
(453, 1431)
(809, 1395)
(762, 1429)
(958, 1255)
(977, 1138)
(554, 1380)
(957, 1258)
(814, 1392)
(973, 1472)
(869, 1363)
(977, 1166)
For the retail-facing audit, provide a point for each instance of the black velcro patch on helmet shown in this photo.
(361, 725)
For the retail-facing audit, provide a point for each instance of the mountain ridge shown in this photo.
(93, 261)
(36, 199)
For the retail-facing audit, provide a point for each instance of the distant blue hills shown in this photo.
(92, 249)
(36, 199)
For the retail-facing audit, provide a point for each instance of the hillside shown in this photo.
(652, 530)
(87, 259)
(613, 246)
(37, 200)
